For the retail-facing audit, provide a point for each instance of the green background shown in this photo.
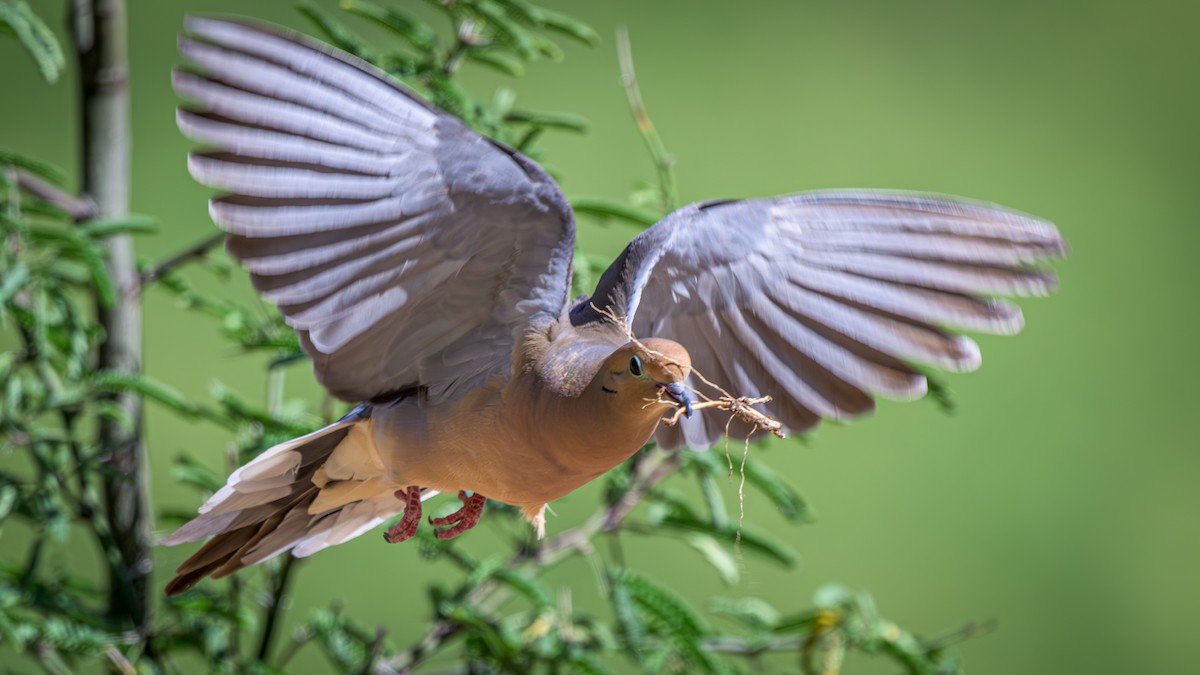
(1060, 500)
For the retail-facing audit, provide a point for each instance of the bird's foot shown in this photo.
(462, 519)
(407, 527)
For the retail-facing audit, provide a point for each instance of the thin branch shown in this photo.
(656, 467)
(728, 644)
(80, 209)
(664, 163)
(197, 250)
(275, 606)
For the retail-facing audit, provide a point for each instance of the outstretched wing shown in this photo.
(823, 299)
(405, 249)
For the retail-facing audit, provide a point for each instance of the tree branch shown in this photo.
(99, 33)
(197, 250)
(79, 209)
(656, 466)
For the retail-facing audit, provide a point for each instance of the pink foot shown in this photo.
(407, 527)
(462, 519)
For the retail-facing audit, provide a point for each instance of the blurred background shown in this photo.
(1058, 501)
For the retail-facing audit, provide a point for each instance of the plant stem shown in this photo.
(99, 32)
(197, 250)
(664, 163)
(275, 606)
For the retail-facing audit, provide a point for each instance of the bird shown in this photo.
(426, 270)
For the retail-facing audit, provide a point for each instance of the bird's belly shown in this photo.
(490, 459)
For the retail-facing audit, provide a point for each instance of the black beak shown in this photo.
(680, 395)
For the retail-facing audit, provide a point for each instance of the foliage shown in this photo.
(500, 614)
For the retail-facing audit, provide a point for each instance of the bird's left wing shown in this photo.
(405, 249)
(824, 299)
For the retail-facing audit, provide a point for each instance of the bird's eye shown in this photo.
(635, 366)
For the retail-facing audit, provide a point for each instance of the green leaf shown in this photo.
(716, 555)
(131, 224)
(18, 19)
(125, 383)
(13, 279)
(627, 617)
(755, 613)
(531, 589)
(499, 61)
(549, 119)
(604, 209)
(569, 26)
(416, 32)
(786, 498)
(337, 33)
(507, 32)
(48, 171)
(190, 472)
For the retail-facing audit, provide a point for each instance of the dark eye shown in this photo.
(635, 366)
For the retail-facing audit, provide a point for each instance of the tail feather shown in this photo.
(301, 496)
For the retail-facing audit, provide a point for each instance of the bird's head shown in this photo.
(641, 372)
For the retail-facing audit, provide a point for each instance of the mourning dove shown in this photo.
(427, 271)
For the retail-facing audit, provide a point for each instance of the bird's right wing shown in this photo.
(824, 299)
(405, 249)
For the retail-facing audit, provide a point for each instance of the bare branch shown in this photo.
(80, 209)
(197, 250)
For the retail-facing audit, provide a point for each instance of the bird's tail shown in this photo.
(300, 496)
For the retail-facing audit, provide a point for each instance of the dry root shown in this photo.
(740, 408)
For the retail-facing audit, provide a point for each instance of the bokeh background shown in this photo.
(1060, 500)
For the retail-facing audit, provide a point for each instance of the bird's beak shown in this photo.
(680, 395)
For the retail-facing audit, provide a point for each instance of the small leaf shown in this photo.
(497, 61)
(549, 119)
(508, 32)
(13, 279)
(190, 472)
(336, 32)
(716, 555)
(131, 224)
(417, 33)
(48, 171)
(18, 19)
(786, 498)
(143, 385)
(604, 210)
(569, 26)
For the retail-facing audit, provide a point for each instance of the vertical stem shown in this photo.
(99, 31)
(664, 163)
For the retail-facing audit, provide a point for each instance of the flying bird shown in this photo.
(426, 270)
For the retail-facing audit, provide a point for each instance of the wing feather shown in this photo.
(377, 224)
(822, 300)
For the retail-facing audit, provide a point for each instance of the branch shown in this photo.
(664, 163)
(197, 250)
(79, 209)
(99, 34)
(654, 468)
(275, 600)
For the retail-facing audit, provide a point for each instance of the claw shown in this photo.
(462, 519)
(407, 527)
